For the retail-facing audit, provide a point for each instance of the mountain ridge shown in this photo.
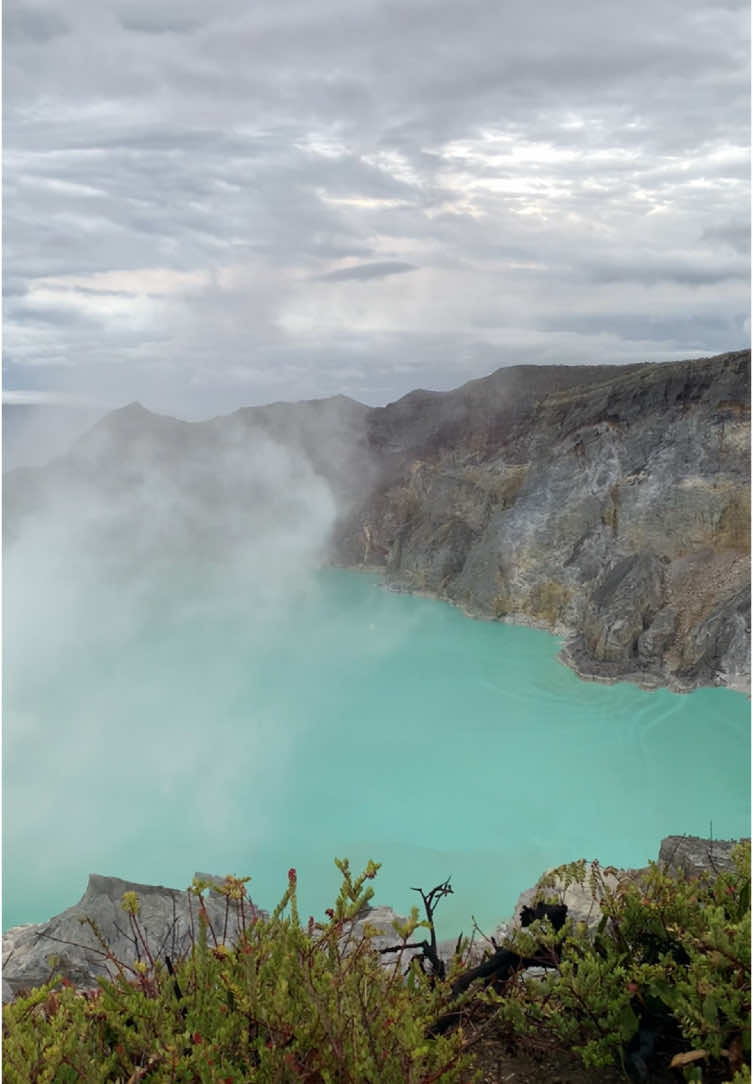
(609, 504)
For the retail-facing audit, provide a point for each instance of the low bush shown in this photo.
(286, 1003)
(665, 978)
(668, 967)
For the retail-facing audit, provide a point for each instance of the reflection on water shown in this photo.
(217, 736)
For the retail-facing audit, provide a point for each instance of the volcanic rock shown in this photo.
(608, 504)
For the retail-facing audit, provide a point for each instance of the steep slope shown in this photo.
(610, 504)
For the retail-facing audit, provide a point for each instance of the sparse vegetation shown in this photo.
(667, 970)
(665, 978)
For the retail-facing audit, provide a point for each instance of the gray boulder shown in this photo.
(583, 904)
(67, 944)
(383, 920)
(685, 855)
(690, 855)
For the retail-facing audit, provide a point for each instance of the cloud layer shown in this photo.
(215, 206)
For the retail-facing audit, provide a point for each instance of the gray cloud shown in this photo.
(153, 21)
(35, 24)
(363, 271)
(686, 328)
(191, 192)
(686, 273)
(734, 234)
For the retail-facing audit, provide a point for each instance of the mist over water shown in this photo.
(221, 730)
(186, 688)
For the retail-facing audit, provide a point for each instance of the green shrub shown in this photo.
(670, 951)
(287, 1003)
(314, 1003)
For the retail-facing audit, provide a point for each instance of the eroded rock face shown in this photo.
(610, 505)
(691, 855)
(624, 604)
(67, 944)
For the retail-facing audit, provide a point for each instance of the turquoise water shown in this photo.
(232, 736)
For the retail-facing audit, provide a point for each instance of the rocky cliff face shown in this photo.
(608, 504)
(611, 505)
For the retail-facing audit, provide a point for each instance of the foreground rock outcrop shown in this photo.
(609, 504)
(683, 856)
(68, 945)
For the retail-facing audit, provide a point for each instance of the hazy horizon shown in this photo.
(39, 428)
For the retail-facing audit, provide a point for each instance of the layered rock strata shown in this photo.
(609, 505)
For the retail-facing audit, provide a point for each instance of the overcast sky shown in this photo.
(211, 205)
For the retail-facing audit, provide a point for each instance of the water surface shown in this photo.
(216, 732)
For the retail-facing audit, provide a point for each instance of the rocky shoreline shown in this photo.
(572, 653)
(609, 507)
(68, 945)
